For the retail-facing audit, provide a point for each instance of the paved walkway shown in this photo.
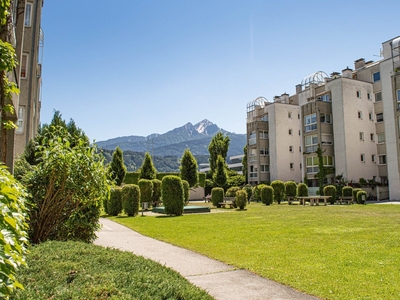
(220, 280)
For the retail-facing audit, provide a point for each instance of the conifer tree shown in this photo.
(147, 171)
(218, 146)
(117, 166)
(220, 175)
(188, 168)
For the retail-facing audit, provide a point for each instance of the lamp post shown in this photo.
(145, 206)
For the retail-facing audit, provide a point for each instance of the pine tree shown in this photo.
(220, 175)
(117, 166)
(189, 168)
(147, 171)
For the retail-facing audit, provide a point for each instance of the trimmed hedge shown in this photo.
(185, 191)
(131, 178)
(279, 190)
(257, 192)
(202, 179)
(217, 196)
(291, 188)
(156, 190)
(131, 199)
(330, 190)
(249, 190)
(355, 191)
(160, 176)
(115, 202)
(360, 194)
(146, 190)
(172, 194)
(241, 199)
(267, 195)
(231, 192)
(347, 191)
(302, 190)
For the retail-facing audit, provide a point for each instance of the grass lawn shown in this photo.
(333, 252)
(72, 270)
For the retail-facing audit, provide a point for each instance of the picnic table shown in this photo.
(313, 199)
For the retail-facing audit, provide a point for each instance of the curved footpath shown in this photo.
(220, 280)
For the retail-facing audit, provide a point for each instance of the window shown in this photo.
(28, 14)
(358, 93)
(312, 164)
(264, 151)
(253, 138)
(24, 65)
(289, 115)
(376, 76)
(362, 157)
(381, 138)
(325, 118)
(370, 116)
(298, 116)
(368, 96)
(263, 134)
(300, 149)
(373, 157)
(290, 131)
(290, 148)
(20, 121)
(382, 159)
(379, 117)
(378, 97)
(311, 143)
(264, 168)
(361, 136)
(326, 98)
(291, 165)
(372, 137)
(310, 122)
(327, 160)
(360, 115)
(264, 118)
(398, 99)
(326, 139)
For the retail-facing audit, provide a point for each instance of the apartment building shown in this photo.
(354, 116)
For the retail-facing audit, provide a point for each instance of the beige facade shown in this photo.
(353, 115)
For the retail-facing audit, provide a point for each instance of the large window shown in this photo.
(328, 161)
(253, 138)
(310, 122)
(311, 143)
(382, 159)
(264, 168)
(325, 118)
(253, 172)
(28, 14)
(379, 117)
(378, 97)
(376, 76)
(381, 138)
(20, 121)
(326, 98)
(263, 134)
(264, 151)
(312, 163)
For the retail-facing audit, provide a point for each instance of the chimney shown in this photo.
(335, 75)
(277, 99)
(285, 98)
(347, 73)
(359, 63)
(299, 88)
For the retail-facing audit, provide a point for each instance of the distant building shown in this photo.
(354, 115)
(234, 163)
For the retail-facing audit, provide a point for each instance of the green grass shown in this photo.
(333, 252)
(71, 270)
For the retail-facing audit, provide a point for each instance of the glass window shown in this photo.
(327, 160)
(360, 115)
(362, 157)
(378, 97)
(264, 118)
(379, 117)
(311, 143)
(326, 98)
(263, 134)
(310, 122)
(290, 148)
(371, 116)
(358, 93)
(398, 99)
(291, 166)
(373, 157)
(289, 115)
(368, 96)
(372, 137)
(312, 164)
(252, 138)
(382, 159)
(28, 14)
(325, 118)
(290, 131)
(20, 121)
(264, 151)
(361, 136)
(24, 65)
(376, 76)
(381, 137)
(264, 168)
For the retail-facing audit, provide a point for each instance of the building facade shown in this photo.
(354, 116)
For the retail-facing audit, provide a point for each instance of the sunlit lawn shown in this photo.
(334, 252)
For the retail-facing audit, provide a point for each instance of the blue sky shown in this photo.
(137, 67)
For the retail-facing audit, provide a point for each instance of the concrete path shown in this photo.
(220, 280)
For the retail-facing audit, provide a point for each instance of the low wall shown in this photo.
(196, 194)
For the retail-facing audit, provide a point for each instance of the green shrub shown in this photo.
(241, 199)
(279, 190)
(291, 188)
(217, 196)
(330, 190)
(257, 192)
(160, 176)
(146, 190)
(172, 194)
(202, 179)
(231, 192)
(302, 190)
(156, 190)
(249, 190)
(267, 195)
(186, 191)
(106, 205)
(131, 199)
(360, 195)
(347, 191)
(355, 191)
(117, 167)
(131, 178)
(115, 202)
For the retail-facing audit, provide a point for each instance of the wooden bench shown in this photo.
(207, 199)
(348, 199)
(290, 200)
(227, 201)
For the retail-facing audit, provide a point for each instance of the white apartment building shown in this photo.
(353, 115)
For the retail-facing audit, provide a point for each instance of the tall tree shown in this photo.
(219, 145)
(244, 163)
(117, 166)
(188, 168)
(322, 170)
(147, 171)
(220, 175)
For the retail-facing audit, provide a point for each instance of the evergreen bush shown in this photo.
(267, 194)
(279, 190)
(360, 195)
(160, 176)
(146, 190)
(131, 178)
(117, 166)
(131, 199)
(231, 192)
(115, 202)
(302, 190)
(186, 191)
(241, 199)
(147, 170)
(291, 189)
(249, 190)
(202, 179)
(330, 190)
(347, 191)
(217, 196)
(257, 192)
(156, 190)
(189, 168)
(172, 194)
(355, 191)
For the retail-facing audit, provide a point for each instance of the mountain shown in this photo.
(172, 143)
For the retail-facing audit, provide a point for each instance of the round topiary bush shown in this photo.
(355, 191)
(156, 190)
(249, 190)
(131, 199)
(241, 199)
(172, 194)
(291, 189)
(115, 202)
(330, 190)
(231, 192)
(267, 195)
(302, 190)
(347, 191)
(257, 192)
(146, 190)
(217, 196)
(360, 197)
(279, 190)
(186, 192)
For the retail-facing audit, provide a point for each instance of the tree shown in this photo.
(322, 170)
(131, 199)
(189, 168)
(218, 146)
(117, 166)
(147, 171)
(279, 190)
(244, 163)
(220, 176)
